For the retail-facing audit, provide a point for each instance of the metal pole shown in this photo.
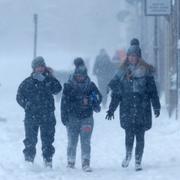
(178, 58)
(35, 33)
(156, 47)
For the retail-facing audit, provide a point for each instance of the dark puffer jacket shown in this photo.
(74, 94)
(135, 91)
(37, 96)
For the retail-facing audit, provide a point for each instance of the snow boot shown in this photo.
(29, 159)
(138, 166)
(48, 163)
(138, 159)
(126, 161)
(86, 166)
(71, 165)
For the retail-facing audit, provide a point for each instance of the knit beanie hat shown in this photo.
(38, 61)
(134, 49)
(79, 62)
(134, 41)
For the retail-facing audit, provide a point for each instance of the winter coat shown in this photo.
(134, 89)
(103, 67)
(36, 97)
(77, 99)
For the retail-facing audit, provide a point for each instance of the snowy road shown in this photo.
(161, 159)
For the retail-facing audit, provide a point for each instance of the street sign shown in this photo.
(158, 7)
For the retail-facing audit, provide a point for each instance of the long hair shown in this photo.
(141, 62)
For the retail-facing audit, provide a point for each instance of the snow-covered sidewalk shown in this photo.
(161, 158)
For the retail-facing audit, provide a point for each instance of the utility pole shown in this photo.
(35, 34)
(178, 59)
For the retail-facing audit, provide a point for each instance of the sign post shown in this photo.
(158, 7)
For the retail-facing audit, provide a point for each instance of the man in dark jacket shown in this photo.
(134, 90)
(104, 70)
(80, 98)
(35, 96)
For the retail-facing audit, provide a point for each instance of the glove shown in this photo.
(49, 71)
(64, 119)
(156, 112)
(110, 115)
(108, 89)
(97, 108)
(38, 76)
(27, 106)
(65, 123)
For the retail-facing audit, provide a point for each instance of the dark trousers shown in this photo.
(130, 135)
(46, 124)
(102, 85)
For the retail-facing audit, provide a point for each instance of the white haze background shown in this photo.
(67, 29)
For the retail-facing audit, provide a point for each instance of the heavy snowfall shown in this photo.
(67, 30)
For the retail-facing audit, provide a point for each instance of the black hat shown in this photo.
(134, 41)
(134, 49)
(79, 62)
(38, 61)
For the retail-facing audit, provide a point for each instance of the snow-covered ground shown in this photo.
(64, 26)
(161, 158)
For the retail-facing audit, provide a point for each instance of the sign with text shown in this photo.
(158, 7)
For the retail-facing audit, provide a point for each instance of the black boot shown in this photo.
(138, 166)
(86, 165)
(29, 159)
(48, 162)
(71, 165)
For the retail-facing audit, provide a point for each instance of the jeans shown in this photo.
(83, 128)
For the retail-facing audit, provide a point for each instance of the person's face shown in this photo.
(133, 59)
(80, 78)
(40, 69)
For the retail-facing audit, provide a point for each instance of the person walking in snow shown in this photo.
(35, 96)
(79, 99)
(104, 70)
(134, 91)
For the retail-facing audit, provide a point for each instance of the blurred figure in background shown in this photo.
(103, 70)
(119, 57)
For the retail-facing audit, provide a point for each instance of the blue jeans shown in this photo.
(83, 128)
